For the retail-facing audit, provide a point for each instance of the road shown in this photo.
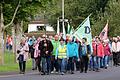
(112, 73)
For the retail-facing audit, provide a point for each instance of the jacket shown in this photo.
(61, 52)
(72, 49)
(55, 46)
(45, 46)
(23, 50)
(107, 51)
(85, 49)
(100, 50)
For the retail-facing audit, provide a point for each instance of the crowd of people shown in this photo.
(59, 55)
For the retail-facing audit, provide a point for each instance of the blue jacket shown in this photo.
(72, 49)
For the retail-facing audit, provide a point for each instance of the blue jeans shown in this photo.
(46, 64)
(98, 62)
(62, 64)
(106, 61)
(91, 63)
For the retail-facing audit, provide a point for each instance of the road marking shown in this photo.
(6, 76)
(14, 75)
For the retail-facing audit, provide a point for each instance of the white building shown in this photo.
(39, 25)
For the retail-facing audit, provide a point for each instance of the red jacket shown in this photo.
(107, 51)
(98, 49)
(94, 48)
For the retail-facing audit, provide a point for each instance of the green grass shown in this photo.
(10, 65)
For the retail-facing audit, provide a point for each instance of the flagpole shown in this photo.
(58, 29)
(63, 17)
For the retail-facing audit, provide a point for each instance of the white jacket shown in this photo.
(115, 47)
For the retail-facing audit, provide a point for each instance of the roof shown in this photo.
(39, 22)
(36, 34)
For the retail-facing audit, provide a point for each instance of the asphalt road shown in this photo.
(112, 73)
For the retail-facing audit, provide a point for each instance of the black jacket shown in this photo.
(45, 46)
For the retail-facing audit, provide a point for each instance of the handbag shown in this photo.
(21, 58)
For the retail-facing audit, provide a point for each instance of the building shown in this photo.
(35, 26)
(38, 28)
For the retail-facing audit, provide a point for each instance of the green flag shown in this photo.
(84, 31)
(68, 29)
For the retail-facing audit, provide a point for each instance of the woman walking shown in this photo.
(22, 52)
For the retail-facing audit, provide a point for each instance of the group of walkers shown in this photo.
(59, 55)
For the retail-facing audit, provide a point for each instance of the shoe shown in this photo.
(52, 72)
(72, 72)
(20, 72)
(85, 71)
(105, 67)
(118, 64)
(56, 72)
(42, 73)
(62, 73)
(93, 69)
(81, 71)
(48, 73)
(97, 70)
(23, 72)
(33, 69)
(101, 67)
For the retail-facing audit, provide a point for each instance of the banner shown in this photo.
(104, 34)
(84, 31)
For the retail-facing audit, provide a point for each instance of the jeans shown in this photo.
(97, 62)
(22, 66)
(54, 63)
(46, 64)
(105, 61)
(62, 64)
(92, 63)
(33, 63)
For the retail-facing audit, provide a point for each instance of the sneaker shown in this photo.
(56, 72)
(107, 65)
(52, 72)
(42, 73)
(62, 73)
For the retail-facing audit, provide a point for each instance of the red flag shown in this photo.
(104, 34)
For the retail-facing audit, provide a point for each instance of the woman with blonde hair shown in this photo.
(22, 57)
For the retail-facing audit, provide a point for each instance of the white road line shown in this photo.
(14, 75)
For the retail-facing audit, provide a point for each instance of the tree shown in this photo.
(21, 9)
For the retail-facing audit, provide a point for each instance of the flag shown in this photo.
(84, 31)
(104, 34)
(64, 33)
(70, 29)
